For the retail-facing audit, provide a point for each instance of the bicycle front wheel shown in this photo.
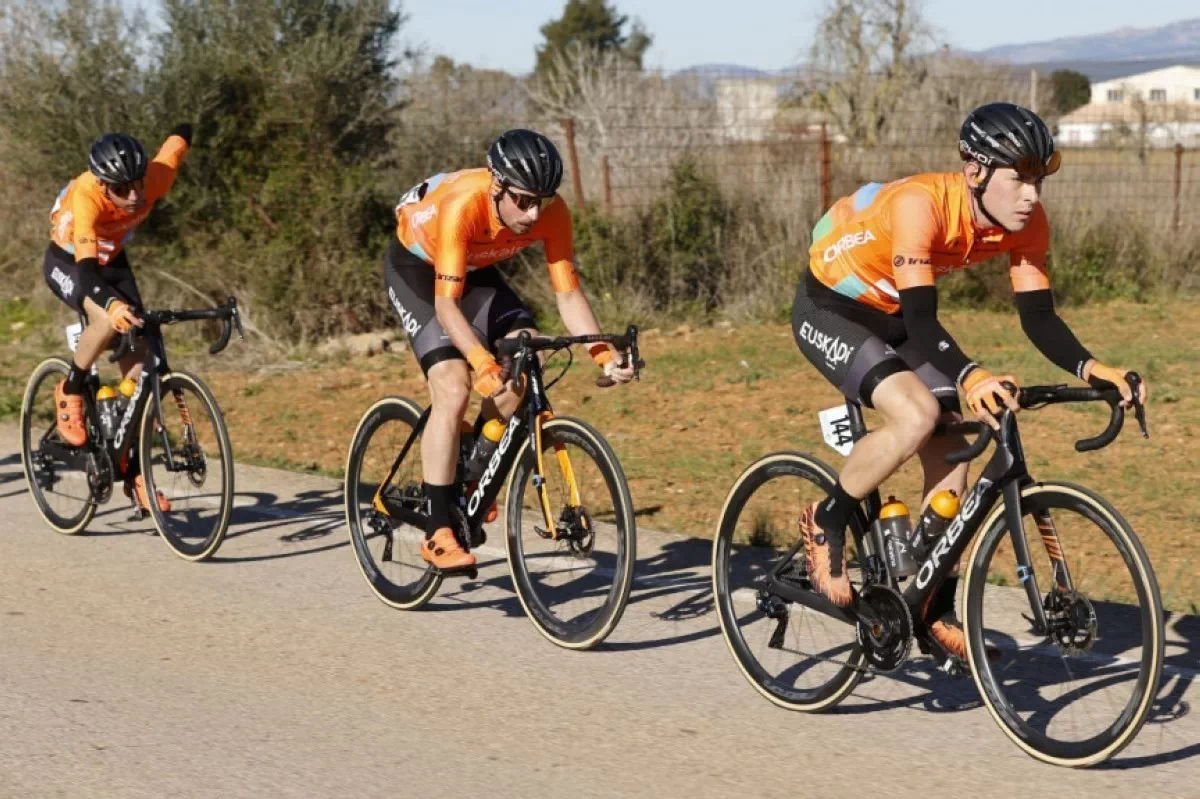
(795, 656)
(59, 476)
(187, 458)
(574, 575)
(1077, 693)
(388, 550)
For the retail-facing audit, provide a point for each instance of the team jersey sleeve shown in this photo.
(161, 172)
(455, 226)
(914, 226)
(84, 213)
(1027, 260)
(560, 248)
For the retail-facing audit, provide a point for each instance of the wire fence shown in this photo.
(799, 139)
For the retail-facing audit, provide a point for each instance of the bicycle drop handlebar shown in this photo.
(227, 311)
(1033, 397)
(626, 345)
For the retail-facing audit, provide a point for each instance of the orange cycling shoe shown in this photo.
(137, 487)
(68, 416)
(443, 550)
(818, 552)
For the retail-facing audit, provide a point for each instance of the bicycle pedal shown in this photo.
(954, 668)
(468, 572)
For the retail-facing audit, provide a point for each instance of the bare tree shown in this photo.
(865, 49)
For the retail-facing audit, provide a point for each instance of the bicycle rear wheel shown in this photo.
(795, 656)
(387, 549)
(1078, 693)
(573, 580)
(58, 475)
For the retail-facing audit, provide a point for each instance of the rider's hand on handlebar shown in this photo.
(122, 316)
(987, 395)
(617, 370)
(1100, 376)
(489, 377)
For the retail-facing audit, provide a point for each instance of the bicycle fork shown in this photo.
(564, 466)
(1054, 549)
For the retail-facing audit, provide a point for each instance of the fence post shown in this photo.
(1033, 90)
(606, 173)
(826, 170)
(1178, 183)
(572, 156)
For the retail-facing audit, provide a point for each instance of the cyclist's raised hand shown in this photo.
(1102, 376)
(988, 395)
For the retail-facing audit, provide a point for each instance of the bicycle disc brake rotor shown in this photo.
(885, 645)
(1072, 620)
(575, 525)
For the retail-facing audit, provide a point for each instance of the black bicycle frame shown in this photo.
(533, 403)
(1002, 478)
(154, 366)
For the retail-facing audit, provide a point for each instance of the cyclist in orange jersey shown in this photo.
(454, 309)
(865, 315)
(86, 267)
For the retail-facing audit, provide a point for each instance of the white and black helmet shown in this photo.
(1008, 135)
(117, 158)
(526, 160)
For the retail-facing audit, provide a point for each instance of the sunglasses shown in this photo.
(526, 202)
(123, 190)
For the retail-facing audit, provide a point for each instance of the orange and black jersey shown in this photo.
(84, 221)
(449, 221)
(888, 237)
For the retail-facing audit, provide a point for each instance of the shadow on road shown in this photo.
(320, 512)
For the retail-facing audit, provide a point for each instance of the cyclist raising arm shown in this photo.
(86, 267)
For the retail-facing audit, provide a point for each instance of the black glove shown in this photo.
(183, 131)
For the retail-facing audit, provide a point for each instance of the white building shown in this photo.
(1165, 101)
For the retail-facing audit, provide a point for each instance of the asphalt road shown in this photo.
(272, 671)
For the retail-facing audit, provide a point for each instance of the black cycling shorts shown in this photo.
(70, 284)
(856, 347)
(492, 308)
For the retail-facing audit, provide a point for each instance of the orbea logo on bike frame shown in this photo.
(942, 547)
(834, 350)
(493, 466)
(130, 409)
(848, 242)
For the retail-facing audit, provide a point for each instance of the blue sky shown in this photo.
(758, 33)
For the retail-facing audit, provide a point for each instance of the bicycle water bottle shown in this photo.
(106, 406)
(485, 445)
(934, 521)
(896, 531)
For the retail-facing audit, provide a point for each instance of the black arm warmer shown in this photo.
(918, 308)
(184, 131)
(1049, 333)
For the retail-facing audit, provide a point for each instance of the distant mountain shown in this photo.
(1169, 44)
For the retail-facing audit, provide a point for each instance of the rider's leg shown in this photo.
(449, 392)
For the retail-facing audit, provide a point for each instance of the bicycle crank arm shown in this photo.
(803, 596)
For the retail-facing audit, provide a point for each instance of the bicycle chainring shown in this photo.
(885, 645)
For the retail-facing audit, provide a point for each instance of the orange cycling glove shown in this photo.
(488, 373)
(986, 394)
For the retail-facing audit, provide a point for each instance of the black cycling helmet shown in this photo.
(1007, 135)
(526, 160)
(117, 158)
